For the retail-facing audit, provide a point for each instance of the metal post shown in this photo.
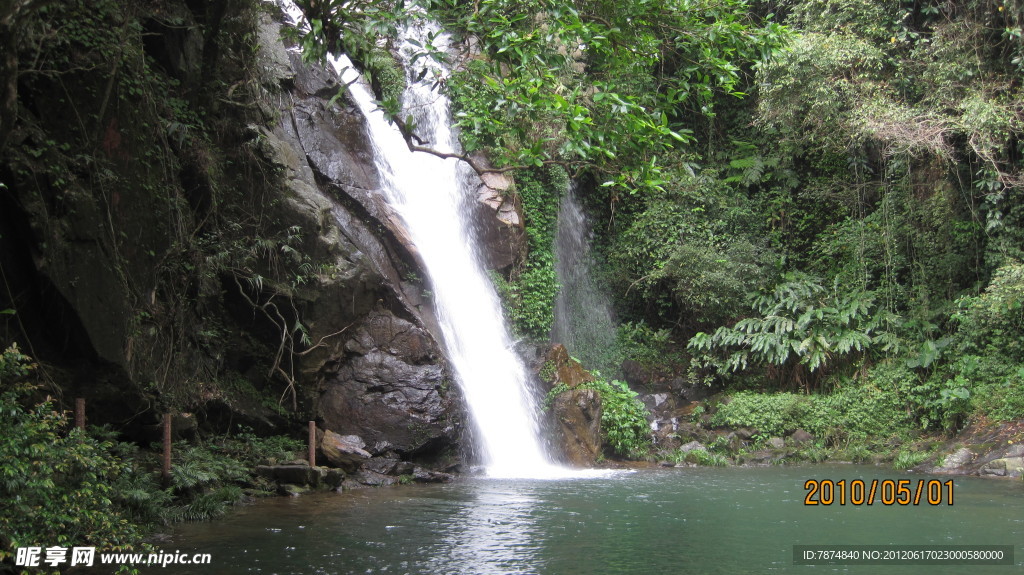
(312, 444)
(80, 412)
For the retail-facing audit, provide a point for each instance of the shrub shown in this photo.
(773, 414)
(798, 326)
(853, 413)
(907, 459)
(58, 485)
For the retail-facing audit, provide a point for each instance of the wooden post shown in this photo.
(312, 444)
(80, 412)
(165, 470)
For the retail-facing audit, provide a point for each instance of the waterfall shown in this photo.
(583, 317)
(431, 195)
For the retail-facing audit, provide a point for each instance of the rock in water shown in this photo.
(578, 416)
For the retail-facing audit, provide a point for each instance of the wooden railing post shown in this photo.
(165, 469)
(312, 444)
(80, 412)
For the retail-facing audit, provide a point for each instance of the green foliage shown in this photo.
(852, 414)
(624, 426)
(58, 486)
(208, 478)
(907, 459)
(14, 366)
(771, 414)
(705, 458)
(688, 254)
(386, 76)
(799, 324)
(985, 377)
(993, 322)
(353, 28)
(529, 296)
(649, 347)
(555, 85)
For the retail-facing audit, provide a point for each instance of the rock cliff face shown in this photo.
(218, 244)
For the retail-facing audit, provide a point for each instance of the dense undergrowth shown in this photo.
(69, 487)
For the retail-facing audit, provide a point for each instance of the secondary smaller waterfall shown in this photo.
(429, 193)
(583, 317)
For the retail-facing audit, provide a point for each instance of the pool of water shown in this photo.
(689, 520)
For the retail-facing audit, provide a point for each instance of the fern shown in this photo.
(797, 323)
(189, 475)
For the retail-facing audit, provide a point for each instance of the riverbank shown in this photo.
(687, 435)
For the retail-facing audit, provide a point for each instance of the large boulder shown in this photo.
(388, 387)
(577, 415)
(292, 473)
(1004, 467)
(344, 451)
(957, 460)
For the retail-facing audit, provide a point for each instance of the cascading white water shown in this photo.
(583, 311)
(430, 194)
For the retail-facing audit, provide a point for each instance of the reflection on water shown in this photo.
(491, 532)
(726, 521)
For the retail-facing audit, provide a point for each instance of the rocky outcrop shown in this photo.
(559, 367)
(499, 220)
(224, 242)
(388, 387)
(577, 414)
(1004, 467)
(988, 449)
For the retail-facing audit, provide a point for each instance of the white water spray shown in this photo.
(430, 194)
(583, 310)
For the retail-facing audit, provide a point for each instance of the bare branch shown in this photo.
(409, 138)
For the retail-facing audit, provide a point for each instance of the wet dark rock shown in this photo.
(577, 414)
(560, 367)
(421, 475)
(734, 441)
(333, 478)
(373, 479)
(744, 433)
(290, 490)
(687, 431)
(382, 465)
(800, 437)
(291, 474)
(387, 387)
(498, 218)
(658, 402)
(761, 457)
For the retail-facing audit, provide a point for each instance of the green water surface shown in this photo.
(658, 521)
